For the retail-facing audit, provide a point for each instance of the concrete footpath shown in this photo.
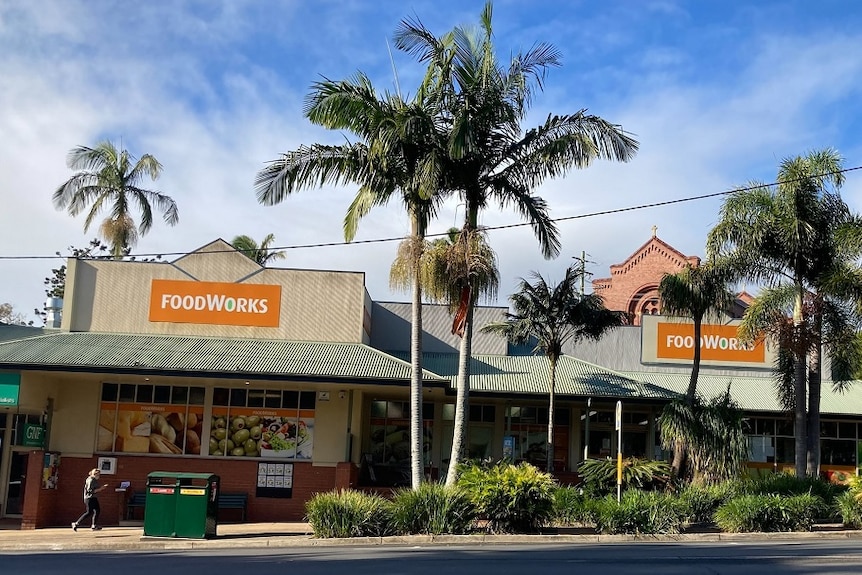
(283, 535)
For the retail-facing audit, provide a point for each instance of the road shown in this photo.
(726, 558)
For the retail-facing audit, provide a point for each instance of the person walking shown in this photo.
(91, 502)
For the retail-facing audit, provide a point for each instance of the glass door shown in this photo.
(15, 491)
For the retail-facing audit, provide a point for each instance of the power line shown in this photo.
(488, 228)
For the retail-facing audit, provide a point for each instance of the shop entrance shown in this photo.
(14, 506)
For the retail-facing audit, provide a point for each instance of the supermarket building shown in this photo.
(288, 382)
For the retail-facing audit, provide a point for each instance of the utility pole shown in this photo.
(583, 261)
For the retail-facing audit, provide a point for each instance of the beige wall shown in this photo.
(114, 297)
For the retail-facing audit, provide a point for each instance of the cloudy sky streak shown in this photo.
(717, 93)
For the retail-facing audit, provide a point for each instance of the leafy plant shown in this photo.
(849, 508)
(600, 475)
(347, 513)
(749, 513)
(512, 498)
(639, 512)
(699, 502)
(433, 509)
(571, 506)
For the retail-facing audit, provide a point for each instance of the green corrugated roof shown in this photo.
(102, 351)
(528, 374)
(11, 332)
(755, 393)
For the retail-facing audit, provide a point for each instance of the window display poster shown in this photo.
(143, 428)
(50, 470)
(261, 432)
(274, 480)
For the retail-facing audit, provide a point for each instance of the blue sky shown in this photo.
(717, 93)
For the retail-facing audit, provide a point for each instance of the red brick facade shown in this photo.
(633, 285)
(61, 506)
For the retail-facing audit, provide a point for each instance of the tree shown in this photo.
(109, 178)
(712, 435)
(697, 293)
(9, 316)
(489, 159)
(789, 237)
(396, 155)
(554, 316)
(260, 254)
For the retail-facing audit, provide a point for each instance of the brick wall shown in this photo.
(61, 506)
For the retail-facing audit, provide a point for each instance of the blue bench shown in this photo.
(138, 500)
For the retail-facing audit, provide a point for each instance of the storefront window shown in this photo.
(248, 422)
(390, 432)
(529, 427)
(770, 440)
(150, 419)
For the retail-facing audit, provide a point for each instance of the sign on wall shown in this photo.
(274, 480)
(10, 385)
(671, 340)
(175, 301)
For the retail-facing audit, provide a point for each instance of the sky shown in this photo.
(717, 93)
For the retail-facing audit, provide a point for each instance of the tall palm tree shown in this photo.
(490, 159)
(697, 293)
(109, 178)
(261, 254)
(785, 237)
(395, 155)
(554, 316)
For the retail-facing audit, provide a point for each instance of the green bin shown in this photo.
(181, 505)
(197, 506)
(160, 507)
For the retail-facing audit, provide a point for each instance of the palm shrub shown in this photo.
(512, 498)
(347, 513)
(639, 512)
(600, 475)
(432, 509)
(766, 513)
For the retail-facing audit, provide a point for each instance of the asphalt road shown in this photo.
(728, 558)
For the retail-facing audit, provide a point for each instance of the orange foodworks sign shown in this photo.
(175, 301)
(717, 343)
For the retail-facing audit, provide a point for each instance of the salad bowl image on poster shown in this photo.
(291, 438)
(245, 432)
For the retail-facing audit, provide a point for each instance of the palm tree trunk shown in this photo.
(553, 374)
(416, 436)
(814, 389)
(462, 398)
(691, 392)
(799, 388)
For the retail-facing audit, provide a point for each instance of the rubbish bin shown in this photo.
(160, 507)
(197, 506)
(181, 505)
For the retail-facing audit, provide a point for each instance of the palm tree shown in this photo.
(396, 155)
(489, 158)
(261, 254)
(786, 237)
(554, 316)
(695, 292)
(109, 178)
(712, 435)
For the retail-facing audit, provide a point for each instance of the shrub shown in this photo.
(348, 513)
(788, 484)
(571, 506)
(750, 513)
(849, 508)
(600, 475)
(432, 509)
(512, 498)
(698, 503)
(639, 512)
